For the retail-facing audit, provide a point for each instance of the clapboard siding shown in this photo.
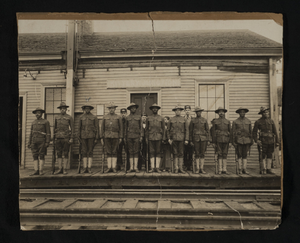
(34, 90)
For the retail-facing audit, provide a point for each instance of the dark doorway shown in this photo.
(20, 119)
(144, 101)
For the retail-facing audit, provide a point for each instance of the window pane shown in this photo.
(220, 102)
(203, 103)
(56, 104)
(211, 104)
(211, 91)
(202, 91)
(50, 119)
(57, 94)
(49, 94)
(49, 107)
(211, 115)
(220, 90)
(204, 114)
(51, 129)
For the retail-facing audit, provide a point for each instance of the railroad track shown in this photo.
(154, 209)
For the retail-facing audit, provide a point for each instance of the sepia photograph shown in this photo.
(150, 124)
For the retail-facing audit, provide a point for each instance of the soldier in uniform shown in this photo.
(199, 137)
(266, 141)
(154, 133)
(188, 148)
(178, 136)
(166, 150)
(221, 138)
(133, 136)
(39, 140)
(123, 113)
(89, 134)
(63, 128)
(143, 152)
(242, 138)
(111, 136)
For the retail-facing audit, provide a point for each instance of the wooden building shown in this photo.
(197, 68)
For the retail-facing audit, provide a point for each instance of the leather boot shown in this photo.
(135, 164)
(114, 164)
(176, 165)
(152, 161)
(90, 162)
(269, 164)
(197, 166)
(240, 166)
(202, 166)
(108, 165)
(220, 167)
(36, 168)
(65, 166)
(84, 160)
(225, 167)
(264, 166)
(158, 164)
(180, 162)
(245, 167)
(131, 160)
(60, 169)
(41, 167)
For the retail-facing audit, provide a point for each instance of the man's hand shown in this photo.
(170, 141)
(186, 142)
(230, 145)
(192, 144)
(259, 143)
(46, 145)
(277, 144)
(102, 142)
(95, 141)
(71, 141)
(208, 143)
(120, 140)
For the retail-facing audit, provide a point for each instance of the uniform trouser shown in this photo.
(188, 155)
(143, 155)
(120, 154)
(166, 162)
(62, 147)
(200, 148)
(177, 149)
(155, 148)
(133, 146)
(87, 147)
(242, 150)
(222, 149)
(267, 151)
(111, 146)
(38, 150)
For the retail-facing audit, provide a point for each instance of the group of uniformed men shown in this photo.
(181, 133)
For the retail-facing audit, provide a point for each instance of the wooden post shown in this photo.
(70, 74)
(274, 101)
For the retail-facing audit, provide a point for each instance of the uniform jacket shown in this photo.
(155, 127)
(88, 126)
(199, 130)
(178, 129)
(61, 126)
(111, 126)
(40, 131)
(242, 131)
(133, 126)
(221, 131)
(267, 131)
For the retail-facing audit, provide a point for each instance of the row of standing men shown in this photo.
(156, 131)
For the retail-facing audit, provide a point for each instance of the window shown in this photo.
(53, 98)
(211, 96)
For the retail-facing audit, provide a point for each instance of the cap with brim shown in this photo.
(242, 108)
(132, 105)
(87, 105)
(111, 105)
(198, 108)
(154, 106)
(220, 109)
(38, 109)
(177, 107)
(262, 110)
(62, 104)
(123, 109)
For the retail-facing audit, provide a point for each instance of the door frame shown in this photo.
(24, 120)
(144, 91)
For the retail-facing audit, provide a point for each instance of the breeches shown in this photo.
(87, 147)
(111, 146)
(38, 149)
(267, 151)
(62, 147)
(242, 150)
(178, 148)
(133, 146)
(200, 148)
(222, 149)
(155, 148)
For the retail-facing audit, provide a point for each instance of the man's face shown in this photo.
(177, 112)
(63, 110)
(112, 110)
(123, 114)
(166, 120)
(144, 118)
(221, 113)
(133, 109)
(242, 113)
(199, 113)
(187, 111)
(266, 114)
(38, 114)
(87, 110)
(154, 110)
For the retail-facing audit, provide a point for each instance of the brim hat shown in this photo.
(62, 104)
(87, 105)
(220, 109)
(242, 108)
(111, 105)
(154, 105)
(177, 107)
(262, 110)
(198, 108)
(38, 109)
(132, 105)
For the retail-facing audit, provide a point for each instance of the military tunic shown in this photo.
(63, 128)
(39, 135)
(267, 135)
(199, 135)
(89, 132)
(221, 136)
(111, 132)
(242, 136)
(154, 133)
(178, 132)
(133, 133)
